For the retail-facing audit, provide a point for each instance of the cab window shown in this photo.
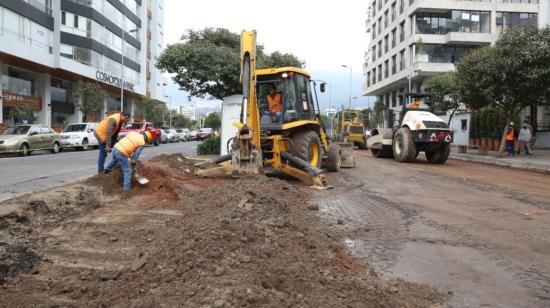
(34, 130)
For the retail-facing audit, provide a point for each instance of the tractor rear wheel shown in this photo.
(307, 146)
(440, 155)
(404, 149)
(334, 159)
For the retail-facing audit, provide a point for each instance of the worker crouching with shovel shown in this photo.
(129, 147)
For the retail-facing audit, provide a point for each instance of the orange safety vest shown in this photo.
(510, 135)
(129, 144)
(101, 128)
(274, 103)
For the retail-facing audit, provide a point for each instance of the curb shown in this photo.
(528, 166)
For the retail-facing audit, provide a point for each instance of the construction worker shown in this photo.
(510, 135)
(274, 102)
(106, 133)
(129, 147)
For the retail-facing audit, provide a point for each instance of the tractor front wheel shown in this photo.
(307, 146)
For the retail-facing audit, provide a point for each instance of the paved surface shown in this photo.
(539, 161)
(21, 175)
(479, 232)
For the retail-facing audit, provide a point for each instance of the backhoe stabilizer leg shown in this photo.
(220, 170)
(312, 180)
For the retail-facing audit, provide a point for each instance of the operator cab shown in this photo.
(284, 95)
(412, 102)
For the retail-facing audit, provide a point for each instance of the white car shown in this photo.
(183, 133)
(79, 136)
(172, 135)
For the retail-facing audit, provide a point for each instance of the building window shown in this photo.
(379, 72)
(393, 35)
(373, 31)
(374, 53)
(386, 39)
(386, 19)
(402, 60)
(393, 12)
(393, 64)
(464, 124)
(386, 68)
(380, 49)
(507, 20)
(402, 32)
(447, 53)
(374, 76)
(379, 24)
(401, 6)
(368, 79)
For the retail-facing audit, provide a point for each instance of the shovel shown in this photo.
(140, 179)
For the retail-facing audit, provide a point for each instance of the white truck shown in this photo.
(79, 136)
(414, 128)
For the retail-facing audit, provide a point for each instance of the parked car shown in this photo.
(79, 136)
(26, 138)
(163, 136)
(141, 127)
(205, 133)
(193, 135)
(183, 133)
(173, 135)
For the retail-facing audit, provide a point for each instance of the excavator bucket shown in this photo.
(347, 158)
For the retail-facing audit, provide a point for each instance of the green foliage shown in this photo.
(377, 116)
(210, 146)
(90, 95)
(446, 93)
(473, 125)
(511, 75)
(20, 114)
(365, 117)
(483, 125)
(213, 120)
(181, 121)
(207, 62)
(155, 112)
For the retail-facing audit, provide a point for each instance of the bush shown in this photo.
(210, 146)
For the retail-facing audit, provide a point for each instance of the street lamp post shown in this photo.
(350, 81)
(122, 68)
(412, 74)
(164, 84)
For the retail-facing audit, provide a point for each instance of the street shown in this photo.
(479, 232)
(36, 172)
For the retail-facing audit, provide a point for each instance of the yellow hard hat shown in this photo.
(148, 136)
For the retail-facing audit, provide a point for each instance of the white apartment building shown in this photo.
(447, 29)
(46, 46)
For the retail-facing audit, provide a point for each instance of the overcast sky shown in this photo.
(325, 34)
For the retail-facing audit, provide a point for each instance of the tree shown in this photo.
(89, 96)
(511, 75)
(378, 114)
(446, 93)
(155, 112)
(181, 121)
(207, 62)
(213, 120)
(365, 117)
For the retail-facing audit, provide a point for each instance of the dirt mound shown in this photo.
(20, 230)
(176, 161)
(247, 242)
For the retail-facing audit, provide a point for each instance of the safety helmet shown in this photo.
(148, 136)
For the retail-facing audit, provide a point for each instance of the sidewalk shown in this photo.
(538, 162)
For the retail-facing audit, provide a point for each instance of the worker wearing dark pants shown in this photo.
(106, 133)
(510, 135)
(129, 147)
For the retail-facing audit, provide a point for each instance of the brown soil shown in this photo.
(183, 240)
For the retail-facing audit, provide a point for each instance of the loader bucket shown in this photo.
(347, 158)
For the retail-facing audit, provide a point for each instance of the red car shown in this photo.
(204, 133)
(142, 127)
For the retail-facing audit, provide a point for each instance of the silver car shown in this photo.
(25, 138)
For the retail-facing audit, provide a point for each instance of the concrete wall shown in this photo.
(544, 13)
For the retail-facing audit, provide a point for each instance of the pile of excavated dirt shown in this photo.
(247, 242)
(20, 236)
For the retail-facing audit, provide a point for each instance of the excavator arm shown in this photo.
(246, 155)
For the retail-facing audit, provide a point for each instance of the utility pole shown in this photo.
(350, 81)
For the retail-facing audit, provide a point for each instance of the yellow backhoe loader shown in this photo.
(350, 128)
(280, 128)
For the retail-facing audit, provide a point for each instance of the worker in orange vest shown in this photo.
(510, 136)
(129, 147)
(274, 102)
(106, 133)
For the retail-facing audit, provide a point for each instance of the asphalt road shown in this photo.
(21, 175)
